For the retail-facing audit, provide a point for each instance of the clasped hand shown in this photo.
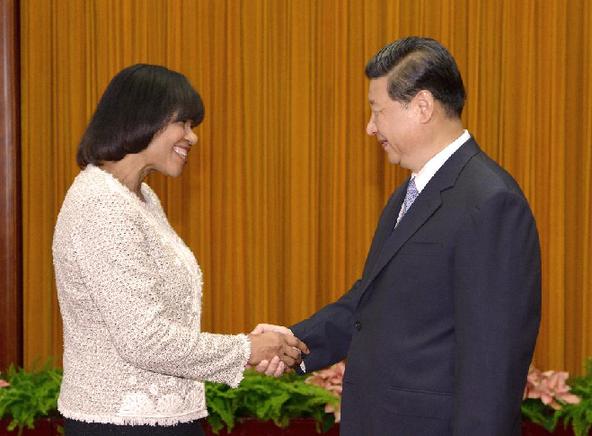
(275, 349)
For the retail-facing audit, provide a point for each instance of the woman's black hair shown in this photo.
(138, 102)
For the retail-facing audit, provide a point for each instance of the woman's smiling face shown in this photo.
(169, 150)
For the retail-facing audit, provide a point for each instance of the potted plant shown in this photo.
(27, 397)
(280, 400)
(556, 403)
(28, 404)
(553, 404)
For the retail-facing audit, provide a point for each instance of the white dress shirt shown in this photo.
(435, 163)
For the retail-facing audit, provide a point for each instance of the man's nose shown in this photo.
(371, 127)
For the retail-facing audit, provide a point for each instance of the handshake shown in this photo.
(274, 349)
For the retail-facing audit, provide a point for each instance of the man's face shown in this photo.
(392, 123)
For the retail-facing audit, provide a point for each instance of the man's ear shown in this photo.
(423, 103)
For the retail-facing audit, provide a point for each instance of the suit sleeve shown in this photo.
(497, 314)
(328, 332)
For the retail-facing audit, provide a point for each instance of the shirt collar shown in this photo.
(435, 163)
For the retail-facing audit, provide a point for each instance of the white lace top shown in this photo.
(130, 297)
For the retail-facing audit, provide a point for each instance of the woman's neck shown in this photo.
(129, 171)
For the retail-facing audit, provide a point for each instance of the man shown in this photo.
(440, 329)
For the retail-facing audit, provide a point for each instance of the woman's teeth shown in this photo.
(181, 152)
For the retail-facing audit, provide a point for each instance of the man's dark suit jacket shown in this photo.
(440, 329)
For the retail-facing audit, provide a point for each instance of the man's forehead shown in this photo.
(373, 100)
(376, 90)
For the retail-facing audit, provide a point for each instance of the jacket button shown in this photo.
(358, 325)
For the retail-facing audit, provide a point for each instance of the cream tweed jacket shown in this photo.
(129, 291)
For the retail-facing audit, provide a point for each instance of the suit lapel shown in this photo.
(385, 226)
(419, 213)
(428, 202)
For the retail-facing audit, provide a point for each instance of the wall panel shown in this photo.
(11, 332)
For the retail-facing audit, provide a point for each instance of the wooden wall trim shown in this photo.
(11, 320)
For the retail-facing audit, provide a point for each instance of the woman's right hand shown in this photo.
(267, 345)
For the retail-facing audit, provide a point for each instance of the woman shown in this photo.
(129, 288)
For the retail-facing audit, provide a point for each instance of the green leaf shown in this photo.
(267, 398)
(31, 395)
(537, 412)
(580, 415)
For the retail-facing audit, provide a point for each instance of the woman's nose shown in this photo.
(191, 137)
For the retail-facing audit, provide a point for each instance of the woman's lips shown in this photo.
(181, 151)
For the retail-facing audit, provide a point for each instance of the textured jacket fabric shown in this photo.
(440, 329)
(129, 291)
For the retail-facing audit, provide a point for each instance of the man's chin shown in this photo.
(393, 159)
